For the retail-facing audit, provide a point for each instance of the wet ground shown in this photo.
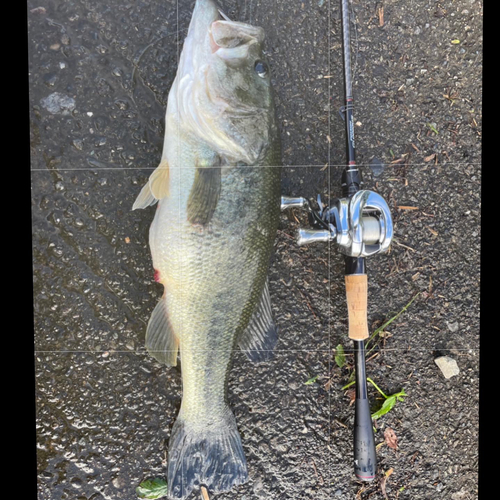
(100, 73)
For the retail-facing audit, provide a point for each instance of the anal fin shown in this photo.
(261, 334)
(161, 342)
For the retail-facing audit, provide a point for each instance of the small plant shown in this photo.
(433, 128)
(389, 402)
(340, 356)
(152, 489)
(311, 380)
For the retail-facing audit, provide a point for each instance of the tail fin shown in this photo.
(210, 457)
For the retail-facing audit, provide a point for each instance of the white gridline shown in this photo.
(315, 165)
(329, 165)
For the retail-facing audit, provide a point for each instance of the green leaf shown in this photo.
(389, 404)
(152, 489)
(386, 407)
(433, 128)
(311, 380)
(340, 356)
(455, 42)
(400, 395)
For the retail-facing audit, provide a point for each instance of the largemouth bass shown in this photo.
(218, 193)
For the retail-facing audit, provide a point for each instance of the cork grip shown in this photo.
(356, 286)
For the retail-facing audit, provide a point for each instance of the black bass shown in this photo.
(218, 194)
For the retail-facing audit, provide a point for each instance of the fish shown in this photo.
(217, 190)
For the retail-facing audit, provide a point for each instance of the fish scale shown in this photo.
(215, 275)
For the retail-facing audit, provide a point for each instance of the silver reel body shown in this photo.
(361, 225)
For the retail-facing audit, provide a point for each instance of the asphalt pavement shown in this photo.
(99, 77)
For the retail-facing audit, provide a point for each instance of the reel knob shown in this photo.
(306, 236)
(289, 202)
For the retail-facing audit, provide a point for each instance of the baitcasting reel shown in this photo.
(360, 224)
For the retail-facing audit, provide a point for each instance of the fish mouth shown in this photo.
(213, 44)
(232, 40)
(204, 14)
(211, 31)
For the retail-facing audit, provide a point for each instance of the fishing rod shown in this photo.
(361, 224)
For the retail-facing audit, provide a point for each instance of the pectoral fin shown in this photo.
(157, 187)
(204, 195)
(261, 335)
(161, 342)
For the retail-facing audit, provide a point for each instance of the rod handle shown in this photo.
(365, 458)
(356, 287)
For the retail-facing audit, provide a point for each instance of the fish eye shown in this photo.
(261, 68)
